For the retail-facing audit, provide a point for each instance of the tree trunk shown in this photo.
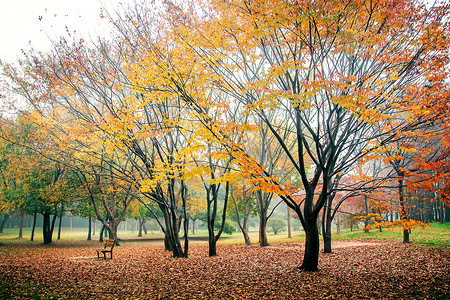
(366, 221)
(447, 214)
(167, 245)
(93, 228)
(263, 242)
(89, 237)
(46, 228)
(311, 256)
(326, 230)
(141, 226)
(212, 246)
(22, 217)
(113, 232)
(193, 227)
(289, 222)
(34, 226)
(338, 226)
(171, 238)
(403, 210)
(2, 225)
(59, 226)
(211, 237)
(247, 240)
(102, 232)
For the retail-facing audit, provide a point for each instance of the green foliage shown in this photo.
(277, 225)
(229, 227)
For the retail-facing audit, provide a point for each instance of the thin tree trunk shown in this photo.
(33, 226)
(289, 222)
(447, 214)
(59, 226)
(403, 210)
(326, 228)
(366, 221)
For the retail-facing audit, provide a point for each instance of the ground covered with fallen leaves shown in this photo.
(142, 270)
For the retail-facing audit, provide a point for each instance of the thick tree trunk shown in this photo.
(141, 225)
(311, 256)
(247, 240)
(102, 232)
(46, 228)
(212, 246)
(2, 225)
(89, 237)
(172, 239)
(22, 217)
(167, 245)
(211, 237)
(113, 233)
(406, 236)
(263, 242)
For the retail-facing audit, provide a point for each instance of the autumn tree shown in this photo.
(242, 206)
(41, 185)
(341, 72)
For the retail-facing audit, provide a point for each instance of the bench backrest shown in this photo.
(108, 243)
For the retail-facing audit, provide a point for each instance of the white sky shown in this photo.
(20, 27)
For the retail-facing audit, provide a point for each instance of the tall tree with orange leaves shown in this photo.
(348, 74)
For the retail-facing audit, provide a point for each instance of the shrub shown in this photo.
(277, 225)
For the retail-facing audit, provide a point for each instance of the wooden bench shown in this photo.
(108, 246)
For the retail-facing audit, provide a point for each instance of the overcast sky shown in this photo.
(30, 23)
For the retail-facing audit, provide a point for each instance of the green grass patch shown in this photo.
(435, 234)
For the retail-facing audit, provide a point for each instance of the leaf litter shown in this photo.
(375, 270)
